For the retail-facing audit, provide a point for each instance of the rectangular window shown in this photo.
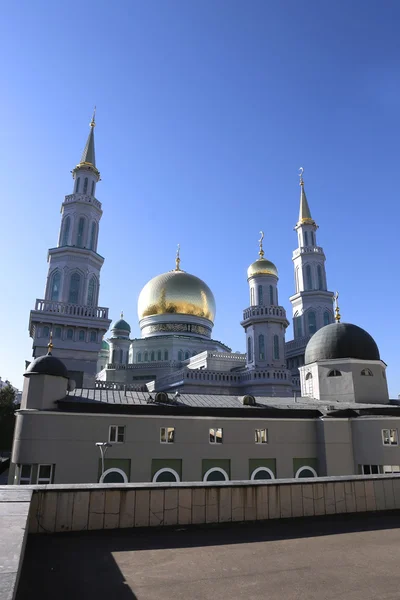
(45, 474)
(216, 435)
(390, 437)
(116, 434)
(25, 474)
(261, 436)
(167, 435)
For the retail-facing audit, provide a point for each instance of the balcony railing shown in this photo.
(82, 198)
(308, 250)
(259, 311)
(74, 310)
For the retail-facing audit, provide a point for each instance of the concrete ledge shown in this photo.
(56, 508)
(14, 513)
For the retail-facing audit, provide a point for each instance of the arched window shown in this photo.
(367, 372)
(165, 354)
(309, 384)
(55, 286)
(312, 322)
(216, 474)
(121, 356)
(114, 476)
(312, 238)
(93, 236)
(260, 295)
(65, 234)
(85, 184)
(81, 336)
(78, 183)
(74, 286)
(334, 373)
(46, 332)
(262, 473)
(249, 349)
(327, 318)
(252, 296)
(296, 279)
(306, 238)
(308, 278)
(92, 192)
(152, 356)
(91, 297)
(166, 474)
(93, 336)
(271, 295)
(146, 357)
(187, 355)
(81, 228)
(261, 347)
(298, 328)
(139, 357)
(320, 278)
(276, 347)
(305, 472)
(57, 333)
(159, 355)
(70, 334)
(180, 355)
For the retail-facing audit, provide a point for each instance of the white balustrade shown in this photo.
(75, 310)
(82, 198)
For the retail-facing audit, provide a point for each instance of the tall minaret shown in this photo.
(265, 324)
(312, 303)
(70, 306)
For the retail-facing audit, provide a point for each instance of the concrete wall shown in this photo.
(79, 508)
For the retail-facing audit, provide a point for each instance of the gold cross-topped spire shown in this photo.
(177, 258)
(337, 313)
(260, 243)
(301, 171)
(93, 121)
(50, 344)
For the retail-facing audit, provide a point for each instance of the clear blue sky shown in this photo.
(205, 111)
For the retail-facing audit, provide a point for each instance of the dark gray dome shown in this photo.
(47, 365)
(341, 340)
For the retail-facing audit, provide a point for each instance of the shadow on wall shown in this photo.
(87, 564)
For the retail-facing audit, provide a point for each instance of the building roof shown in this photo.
(341, 340)
(127, 401)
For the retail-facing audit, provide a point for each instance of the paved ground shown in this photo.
(347, 558)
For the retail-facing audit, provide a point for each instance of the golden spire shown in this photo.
(304, 213)
(50, 344)
(260, 243)
(177, 258)
(93, 121)
(337, 313)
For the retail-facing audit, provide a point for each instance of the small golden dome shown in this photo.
(176, 292)
(262, 266)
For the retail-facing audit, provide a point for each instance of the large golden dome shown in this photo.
(176, 292)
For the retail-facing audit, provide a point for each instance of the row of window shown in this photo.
(74, 288)
(261, 300)
(116, 435)
(218, 474)
(85, 186)
(157, 355)
(379, 469)
(204, 376)
(44, 474)
(308, 279)
(69, 334)
(310, 323)
(80, 234)
(261, 347)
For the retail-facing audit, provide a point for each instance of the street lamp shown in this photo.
(103, 447)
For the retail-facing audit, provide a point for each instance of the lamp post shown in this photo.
(103, 447)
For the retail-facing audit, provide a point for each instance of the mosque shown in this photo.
(176, 312)
(176, 405)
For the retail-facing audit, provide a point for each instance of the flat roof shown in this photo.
(295, 559)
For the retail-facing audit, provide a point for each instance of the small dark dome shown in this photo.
(47, 365)
(341, 340)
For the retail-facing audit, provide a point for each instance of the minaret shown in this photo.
(265, 324)
(70, 308)
(311, 302)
